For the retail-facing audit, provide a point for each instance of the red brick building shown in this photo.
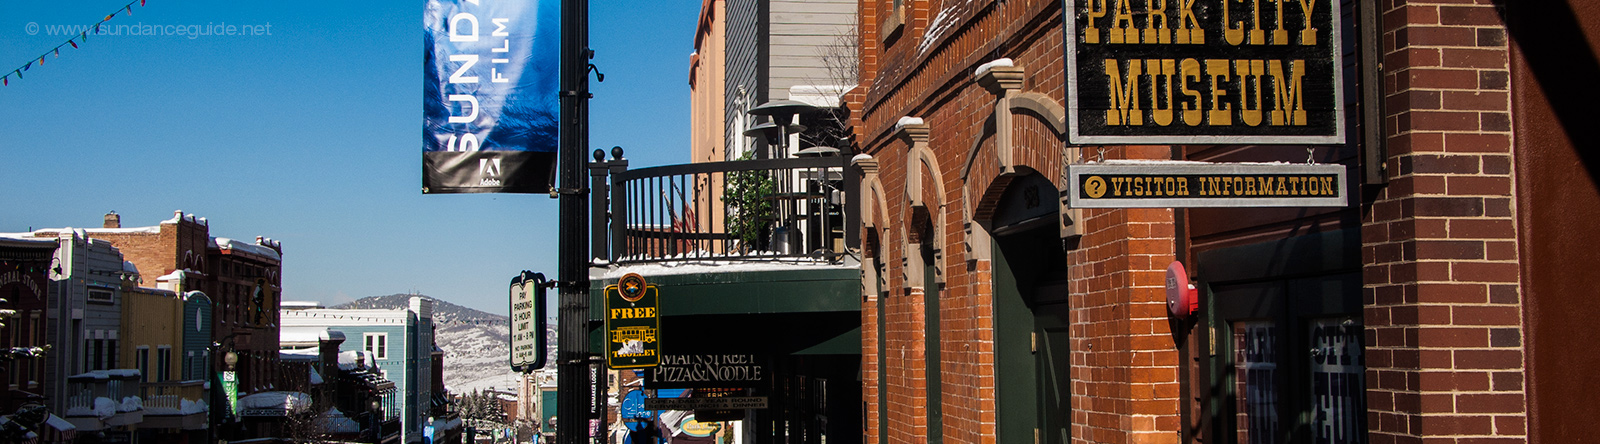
(242, 278)
(1444, 303)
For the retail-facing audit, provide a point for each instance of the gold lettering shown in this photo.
(1280, 36)
(1091, 34)
(1288, 98)
(1281, 190)
(1327, 186)
(1249, 186)
(1191, 70)
(1158, 34)
(1257, 36)
(1191, 33)
(1122, 29)
(1116, 186)
(1183, 187)
(1161, 69)
(1138, 185)
(1234, 36)
(1308, 36)
(1219, 114)
(1249, 72)
(1124, 96)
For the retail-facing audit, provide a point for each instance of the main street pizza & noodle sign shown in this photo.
(1204, 72)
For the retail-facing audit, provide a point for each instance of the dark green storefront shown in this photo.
(802, 322)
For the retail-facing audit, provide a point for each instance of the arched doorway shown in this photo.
(1031, 315)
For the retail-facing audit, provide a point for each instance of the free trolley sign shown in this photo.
(1181, 185)
(633, 323)
(728, 403)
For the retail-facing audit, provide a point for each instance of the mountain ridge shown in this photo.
(476, 344)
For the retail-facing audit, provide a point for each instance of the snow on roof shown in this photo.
(59, 424)
(299, 355)
(26, 239)
(107, 374)
(258, 250)
(84, 232)
(715, 266)
(984, 68)
(130, 267)
(860, 157)
(179, 216)
(938, 26)
(297, 305)
(295, 401)
(300, 335)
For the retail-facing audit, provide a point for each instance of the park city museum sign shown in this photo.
(1204, 72)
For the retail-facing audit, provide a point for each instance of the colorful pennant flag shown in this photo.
(81, 37)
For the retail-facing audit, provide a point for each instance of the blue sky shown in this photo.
(309, 135)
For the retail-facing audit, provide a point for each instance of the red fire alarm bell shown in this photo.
(1183, 300)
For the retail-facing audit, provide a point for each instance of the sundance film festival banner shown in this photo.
(491, 69)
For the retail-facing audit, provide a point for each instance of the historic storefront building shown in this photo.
(1438, 301)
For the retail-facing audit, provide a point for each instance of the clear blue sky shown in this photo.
(310, 135)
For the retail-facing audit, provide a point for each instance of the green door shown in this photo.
(1031, 337)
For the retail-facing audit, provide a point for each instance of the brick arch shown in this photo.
(987, 173)
(925, 205)
(875, 212)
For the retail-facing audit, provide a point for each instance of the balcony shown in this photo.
(104, 399)
(775, 210)
(175, 405)
(747, 251)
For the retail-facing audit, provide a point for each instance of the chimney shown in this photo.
(328, 349)
(113, 220)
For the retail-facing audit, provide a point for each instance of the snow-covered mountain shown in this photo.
(476, 344)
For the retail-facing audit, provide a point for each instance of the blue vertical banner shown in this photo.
(491, 72)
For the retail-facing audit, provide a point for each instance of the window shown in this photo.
(100, 295)
(163, 363)
(142, 355)
(377, 346)
(893, 20)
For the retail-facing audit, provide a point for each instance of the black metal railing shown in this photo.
(737, 210)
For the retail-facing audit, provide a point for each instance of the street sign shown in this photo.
(1197, 184)
(633, 323)
(528, 342)
(728, 403)
(707, 370)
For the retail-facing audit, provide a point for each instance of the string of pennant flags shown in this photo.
(73, 42)
(439, 321)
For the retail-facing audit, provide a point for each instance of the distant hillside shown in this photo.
(476, 344)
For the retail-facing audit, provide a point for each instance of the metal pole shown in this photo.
(572, 382)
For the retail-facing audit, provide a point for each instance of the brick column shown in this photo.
(1124, 364)
(1443, 313)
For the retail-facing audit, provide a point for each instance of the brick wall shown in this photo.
(1443, 304)
(1125, 364)
(1125, 389)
